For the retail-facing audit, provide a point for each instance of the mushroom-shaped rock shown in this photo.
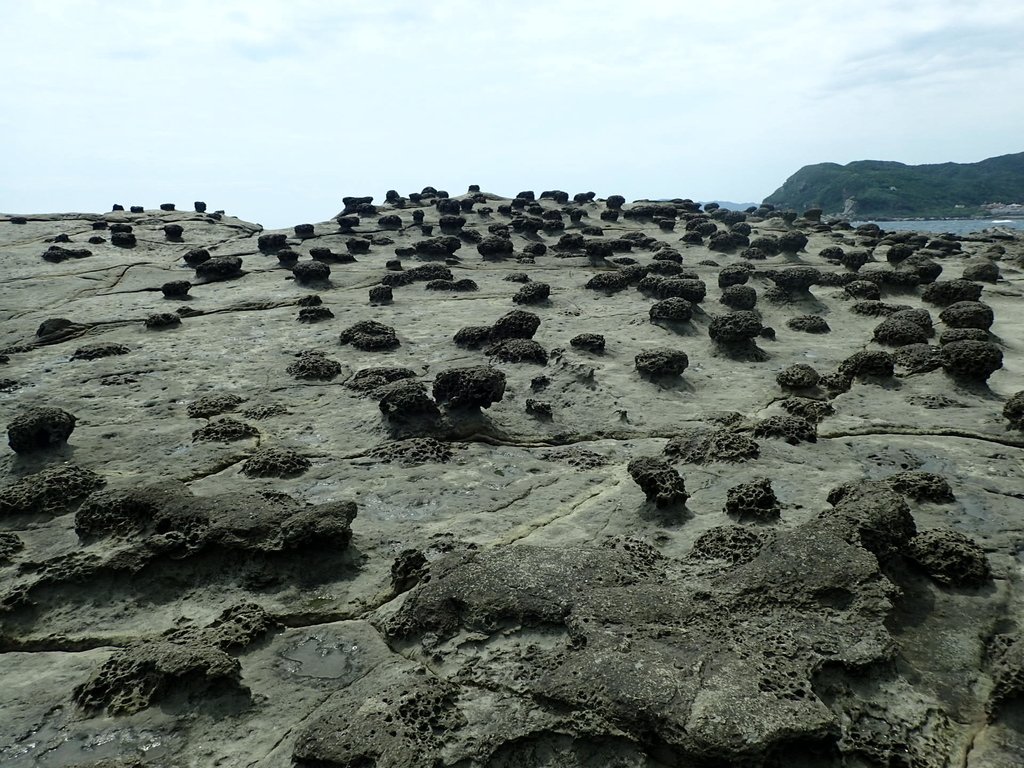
(798, 376)
(753, 501)
(899, 331)
(739, 297)
(942, 293)
(661, 362)
(660, 482)
(494, 247)
(968, 314)
(370, 336)
(52, 491)
(737, 274)
(590, 342)
(971, 360)
(705, 447)
(875, 515)
(1013, 410)
(673, 309)
(983, 271)
(406, 402)
(808, 324)
(176, 289)
(220, 267)
(518, 351)
(863, 289)
(163, 320)
(307, 272)
(469, 388)
(796, 279)
(950, 558)
(532, 293)
(517, 324)
(39, 428)
(868, 362)
(921, 486)
(740, 327)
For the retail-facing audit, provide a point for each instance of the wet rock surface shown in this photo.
(633, 507)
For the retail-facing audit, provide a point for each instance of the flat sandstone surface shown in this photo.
(409, 514)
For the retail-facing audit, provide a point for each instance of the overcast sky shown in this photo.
(276, 109)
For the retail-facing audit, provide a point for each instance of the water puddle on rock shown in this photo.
(323, 658)
(56, 743)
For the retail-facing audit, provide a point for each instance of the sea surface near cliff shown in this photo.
(955, 226)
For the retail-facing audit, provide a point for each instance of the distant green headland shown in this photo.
(882, 189)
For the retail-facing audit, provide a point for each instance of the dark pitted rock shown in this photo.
(792, 429)
(213, 405)
(173, 232)
(962, 334)
(971, 360)
(968, 314)
(671, 310)
(921, 486)
(412, 452)
(161, 320)
(123, 239)
(390, 221)
(792, 242)
(661, 362)
(876, 308)
(854, 260)
(898, 332)
(10, 545)
(457, 286)
(950, 558)
(815, 411)
(532, 293)
(406, 402)
(753, 501)
(314, 314)
(737, 274)
(220, 268)
(96, 351)
(381, 294)
(899, 252)
(868, 362)
(795, 280)
(148, 671)
(942, 293)
(348, 223)
(540, 409)
(469, 388)
(863, 289)
(307, 272)
(276, 462)
(370, 336)
(1013, 410)
(518, 351)
(735, 327)
(438, 247)
(669, 269)
(40, 428)
(196, 256)
(735, 544)
(615, 202)
(366, 380)
(272, 242)
(517, 324)
(310, 300)
(808, 324)
(837, 279)
(798, 376)
(739, 297)
(176, 289)
(517, 277)
(52, 491)
(609, 215)
(224, 430)
(473, 336)
(667, 287)
(55, 254)
(918, 358)
(875, 516)
(661, 484)
(984, 271)
(927, 270)
(313, 365)
(608, 282)
(904, 280)
(357, 245)
(590, 342)
(767, 245)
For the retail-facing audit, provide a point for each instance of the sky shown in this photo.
(274, 110)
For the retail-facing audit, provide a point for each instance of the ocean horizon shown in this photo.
(952, 226)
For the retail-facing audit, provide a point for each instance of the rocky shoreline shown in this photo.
(549, 480)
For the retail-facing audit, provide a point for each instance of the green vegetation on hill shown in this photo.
(876, 188)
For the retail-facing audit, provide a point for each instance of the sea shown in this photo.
(952, 226)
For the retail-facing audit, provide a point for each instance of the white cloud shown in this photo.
(276, 109)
